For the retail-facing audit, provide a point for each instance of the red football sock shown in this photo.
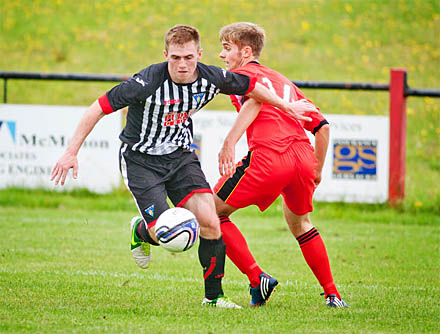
(315, 254)
(238, 251)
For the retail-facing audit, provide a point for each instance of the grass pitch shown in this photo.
(69, 269)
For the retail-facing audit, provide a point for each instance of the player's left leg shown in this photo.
(212, 250)
(298, 202)
(187, 187)
(315, 253)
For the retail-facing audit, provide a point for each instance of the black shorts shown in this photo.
(153, 178)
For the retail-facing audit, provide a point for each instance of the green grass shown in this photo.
(121, 200)
(69, 269)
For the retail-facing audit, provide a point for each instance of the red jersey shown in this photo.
(275, 128)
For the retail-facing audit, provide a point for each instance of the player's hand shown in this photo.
(298, 108)
(226, 158)
(318, 176)
(61, 168)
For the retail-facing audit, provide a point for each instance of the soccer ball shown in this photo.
(177, 229)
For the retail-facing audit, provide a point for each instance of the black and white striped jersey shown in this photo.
(159, 110)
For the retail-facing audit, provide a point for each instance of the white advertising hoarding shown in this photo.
(33, 137)
(356, 167)
(357, 161)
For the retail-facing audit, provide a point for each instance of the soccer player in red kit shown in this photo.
(281, 161)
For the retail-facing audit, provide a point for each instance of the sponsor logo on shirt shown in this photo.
(169, 102)
(174, 118)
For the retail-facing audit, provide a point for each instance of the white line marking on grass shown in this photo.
(163, 277)
(298, 284)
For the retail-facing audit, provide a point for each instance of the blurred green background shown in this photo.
(323, 40)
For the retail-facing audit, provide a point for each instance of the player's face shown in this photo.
(182, 61)
(232, 55)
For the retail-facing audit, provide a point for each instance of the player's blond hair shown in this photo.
(244, 34)
(181, 34)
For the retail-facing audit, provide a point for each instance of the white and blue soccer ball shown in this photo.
(177, 229)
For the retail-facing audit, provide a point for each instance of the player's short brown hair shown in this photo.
(244, 34)
(181, 34)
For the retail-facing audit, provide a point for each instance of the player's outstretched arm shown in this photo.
(296, 109)
(321, 144)
(69, 159)
(226, 157)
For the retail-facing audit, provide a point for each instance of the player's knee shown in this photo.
(221, 208)
(219, 205)
(210, 228)
(208, 220)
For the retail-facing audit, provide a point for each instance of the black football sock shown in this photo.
(142, 233)
(212, 255)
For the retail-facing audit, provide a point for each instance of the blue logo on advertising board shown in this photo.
(354, 159)
(11, 127)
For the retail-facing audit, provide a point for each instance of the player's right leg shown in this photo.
(148, 190)
(261, 285)
(247, 186)
(140, 249)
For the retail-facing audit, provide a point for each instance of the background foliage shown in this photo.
(323, 40)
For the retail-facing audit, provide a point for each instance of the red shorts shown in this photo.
(264, 174)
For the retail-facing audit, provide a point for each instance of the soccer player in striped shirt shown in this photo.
(281, 161)
(155, 157)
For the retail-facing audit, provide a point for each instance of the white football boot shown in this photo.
(139, 249)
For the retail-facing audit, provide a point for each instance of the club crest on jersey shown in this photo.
(198, 97)
(150, 210)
